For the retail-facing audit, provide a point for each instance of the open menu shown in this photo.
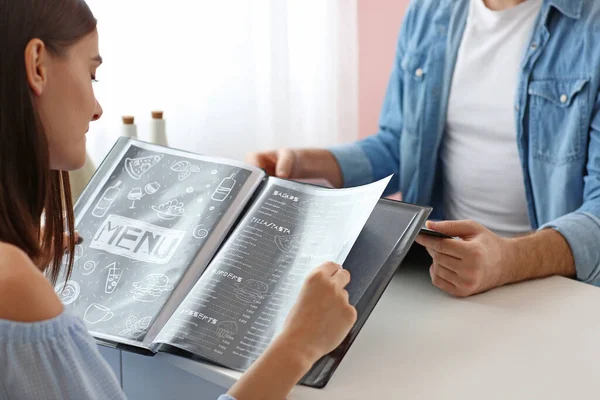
(204, 257)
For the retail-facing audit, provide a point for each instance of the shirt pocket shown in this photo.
(415, 66)
(557, 126)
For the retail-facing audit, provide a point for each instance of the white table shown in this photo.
(536, 340)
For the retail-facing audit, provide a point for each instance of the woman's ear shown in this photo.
(36, 57)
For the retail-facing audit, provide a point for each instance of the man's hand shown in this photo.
(474, 262)
(479, 260)
(299, 164)
(282, 163)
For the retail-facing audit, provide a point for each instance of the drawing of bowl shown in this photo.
(169, 210)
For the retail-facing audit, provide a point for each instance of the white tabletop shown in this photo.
(535, 340)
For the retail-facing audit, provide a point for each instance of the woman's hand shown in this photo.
(316, 325)
(322, 316)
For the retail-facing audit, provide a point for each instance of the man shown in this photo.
(492, 114)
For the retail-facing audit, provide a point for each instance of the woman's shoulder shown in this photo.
(25, 293)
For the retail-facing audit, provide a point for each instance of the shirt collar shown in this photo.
(570, 8)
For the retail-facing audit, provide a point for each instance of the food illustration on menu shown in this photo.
(224, 189)
(106, 201)
(201, 254)
(151, 288)
(170, 210)
(251, 291)
(113, 278)
(136, 167)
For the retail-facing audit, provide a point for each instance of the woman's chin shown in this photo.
(78, 157)
(69, 162)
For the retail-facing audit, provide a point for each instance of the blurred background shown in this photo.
(235, 76)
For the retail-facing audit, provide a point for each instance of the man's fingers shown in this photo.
(451, 247)
(285, 163)
(451, 263)
(447, 274)
(266, 161)
(442, 283)
(456, 228)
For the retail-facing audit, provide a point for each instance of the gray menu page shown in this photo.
(242, 300)
(143, 226)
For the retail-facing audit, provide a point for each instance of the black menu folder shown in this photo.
(204, 257)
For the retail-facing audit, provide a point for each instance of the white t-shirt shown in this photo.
(482, 173)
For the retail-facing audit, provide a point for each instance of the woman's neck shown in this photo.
(499, 5)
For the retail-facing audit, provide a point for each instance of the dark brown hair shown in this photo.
(31, 194)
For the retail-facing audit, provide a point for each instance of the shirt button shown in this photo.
(564, 98)
(517, 108)
(419, 73)
(534, 46)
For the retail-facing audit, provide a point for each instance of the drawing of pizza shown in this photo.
(287, 243)
(136, 167)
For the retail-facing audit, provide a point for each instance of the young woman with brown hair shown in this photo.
(48, 61)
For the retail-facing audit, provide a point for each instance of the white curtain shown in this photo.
(232, 76)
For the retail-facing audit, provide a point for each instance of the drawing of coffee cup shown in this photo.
(97, 313)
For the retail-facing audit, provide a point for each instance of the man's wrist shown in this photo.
(318, 163)
(542, 254)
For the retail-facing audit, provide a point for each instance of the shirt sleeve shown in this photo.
(378, 156)
(581, 229)
(54, 359)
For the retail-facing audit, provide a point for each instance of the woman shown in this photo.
(48, 61)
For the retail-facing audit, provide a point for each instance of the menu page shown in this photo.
(154, 210)
(242, 300)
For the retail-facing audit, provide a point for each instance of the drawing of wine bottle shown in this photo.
(224, 189)
(107, 200)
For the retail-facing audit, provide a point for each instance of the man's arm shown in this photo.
(479, 260)
(568, 246)
(542, 254)
(581, 229)
(377, 156)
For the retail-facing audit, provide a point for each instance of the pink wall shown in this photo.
(378, 27)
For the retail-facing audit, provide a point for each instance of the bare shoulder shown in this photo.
(25, 293)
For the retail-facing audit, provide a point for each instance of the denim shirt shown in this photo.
(556, 112)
